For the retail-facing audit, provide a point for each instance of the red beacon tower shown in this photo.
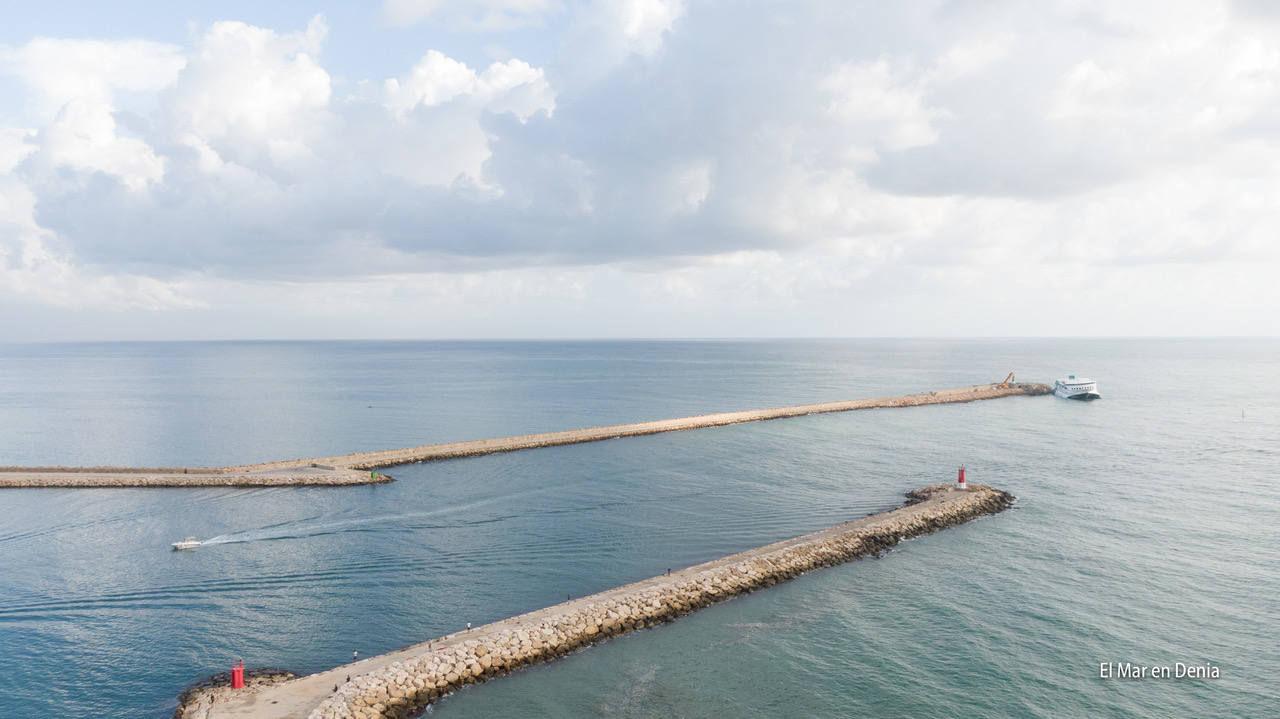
(237, 675)
(960, 483)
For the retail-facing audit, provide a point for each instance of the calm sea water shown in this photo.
(1146, 528)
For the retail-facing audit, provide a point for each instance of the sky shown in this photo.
(638, 168)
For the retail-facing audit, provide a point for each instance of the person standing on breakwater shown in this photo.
(355, 655)
(468, 626)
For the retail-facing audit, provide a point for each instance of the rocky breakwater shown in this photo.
(360, 468)
(471, 448)
(405, 687)
(90, 477)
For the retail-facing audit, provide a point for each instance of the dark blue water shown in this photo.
(1146, 529)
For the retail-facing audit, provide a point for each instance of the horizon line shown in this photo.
(743, 338)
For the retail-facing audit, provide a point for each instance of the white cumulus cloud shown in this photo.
(484, 15)
(898, 163)
(250, 93)
(74, 84)
(879, 108)
(512, 86)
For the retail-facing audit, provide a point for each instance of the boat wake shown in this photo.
(320, 525)
(301, 529)
(409, 522)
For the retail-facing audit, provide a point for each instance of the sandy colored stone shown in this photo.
(578, 623)
(360, 468)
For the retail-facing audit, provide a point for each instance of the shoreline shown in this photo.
(404, 682)
(361, 467)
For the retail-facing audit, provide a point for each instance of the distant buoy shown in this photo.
(960, 484)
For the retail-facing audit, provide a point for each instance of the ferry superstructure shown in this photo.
(1076, 388)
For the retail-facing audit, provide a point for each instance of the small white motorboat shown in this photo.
(188, 543)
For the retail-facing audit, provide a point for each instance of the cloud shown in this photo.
(1086, 95)
(252, 95)
(645, 22)
(808, 154)
(512, 86)
(91, 71)
(15, 146)
(604, 34)
(31, 269)
(73, 88)
(72, 100)
(482, 15)
(877, 106)
(439, 106)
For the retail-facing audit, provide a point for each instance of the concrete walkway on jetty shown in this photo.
(359, 468)
(88, 477)
(404, 682)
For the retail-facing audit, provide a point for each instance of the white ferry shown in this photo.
(1076, 388)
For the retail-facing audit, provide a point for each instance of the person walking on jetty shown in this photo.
(468, 626)
(355, 655)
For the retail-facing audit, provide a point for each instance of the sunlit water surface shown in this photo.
(1146, 528)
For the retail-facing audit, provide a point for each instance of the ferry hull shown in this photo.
(1073, 388)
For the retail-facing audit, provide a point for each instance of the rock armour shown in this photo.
(405, 688)
(360, 468)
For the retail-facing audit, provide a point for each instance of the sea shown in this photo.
(1145, 532)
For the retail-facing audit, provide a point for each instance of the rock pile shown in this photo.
(197, 700)
(16, 478)
(404, 688)
(455, 450)
(360, 468)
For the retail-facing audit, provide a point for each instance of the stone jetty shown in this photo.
(86, 477)
(196, 700)
(403, 683)
(360, 468)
